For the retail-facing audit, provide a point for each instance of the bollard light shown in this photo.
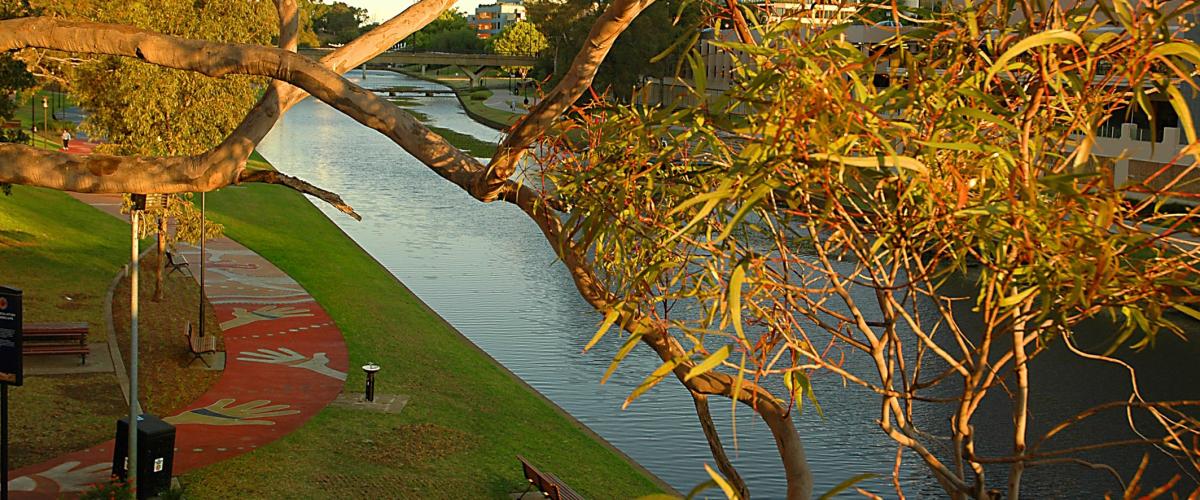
(370, 369)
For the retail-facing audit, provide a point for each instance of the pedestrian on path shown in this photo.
(66, 137)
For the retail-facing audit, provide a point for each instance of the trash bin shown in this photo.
(156, 454)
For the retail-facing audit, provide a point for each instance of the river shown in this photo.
(490, 273)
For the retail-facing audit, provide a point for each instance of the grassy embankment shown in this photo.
(492, 117)
(63, 255)
(467, 418)
(469, 143)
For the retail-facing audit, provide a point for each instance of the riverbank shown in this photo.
(495, 118)
(466, 419)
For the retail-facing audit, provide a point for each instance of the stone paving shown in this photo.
(285, 361)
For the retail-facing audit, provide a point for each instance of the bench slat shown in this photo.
(62, 327)
(54, 350)
(549, 484)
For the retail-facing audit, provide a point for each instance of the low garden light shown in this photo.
(370, 369)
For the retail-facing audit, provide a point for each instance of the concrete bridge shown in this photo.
(471, 64)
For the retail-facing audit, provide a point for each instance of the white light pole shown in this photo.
(131, 454)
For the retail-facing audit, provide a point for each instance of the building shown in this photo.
(490, 19)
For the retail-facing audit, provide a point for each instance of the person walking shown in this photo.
(66, 137)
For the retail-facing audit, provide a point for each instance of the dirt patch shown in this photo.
(408, 445)
(11, 238)
(167, 382)
(84, 391)
(53, 415)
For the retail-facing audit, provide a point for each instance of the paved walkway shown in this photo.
(286, 360)
(504, 100)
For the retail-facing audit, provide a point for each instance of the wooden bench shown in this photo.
(199, 346)
(548, 484)
(55, 338)
(176, 262)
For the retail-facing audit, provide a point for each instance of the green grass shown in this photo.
(468, 143)
(54, 247)
(498, 116)
(467, 418)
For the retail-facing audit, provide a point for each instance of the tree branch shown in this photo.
(600, 40)
(222, 165)
(274, 177)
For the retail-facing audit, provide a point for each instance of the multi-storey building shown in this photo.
(490, 19)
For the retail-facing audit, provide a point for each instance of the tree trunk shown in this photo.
(791, 450)
(162, 257)
(718, 451)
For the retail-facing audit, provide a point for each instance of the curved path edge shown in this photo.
(286, 360)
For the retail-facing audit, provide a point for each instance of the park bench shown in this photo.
(176, 262)
(548, 484)
(199, 346)
(41, 339)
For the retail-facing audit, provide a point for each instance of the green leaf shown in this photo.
(721, 482)
(709, 363)
(1016, 298)
(1180, 48)
(1048, 37)
(898, 161)
(735, 298)
(655, 377)
(609, 319)
(1181, 109)
(844, 485)
(748, 205)
(1187, 310)
(987, 117)
(700, 488)
(624, 351)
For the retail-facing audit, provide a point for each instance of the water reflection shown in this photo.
(489, 272)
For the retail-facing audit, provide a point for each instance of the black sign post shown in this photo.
(11, 372)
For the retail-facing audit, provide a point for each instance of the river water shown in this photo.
(490, 273)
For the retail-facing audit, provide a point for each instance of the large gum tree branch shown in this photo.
(223, 165)
(773, 411)
(611, 23)
(281, 96)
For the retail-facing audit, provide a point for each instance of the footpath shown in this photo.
(285, 361)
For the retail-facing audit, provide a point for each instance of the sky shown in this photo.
(382, 10)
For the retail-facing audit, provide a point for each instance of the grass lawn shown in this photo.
(467, 418)
(63, 254)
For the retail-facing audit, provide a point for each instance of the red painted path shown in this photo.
(285, 361)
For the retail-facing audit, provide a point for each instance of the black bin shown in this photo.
(156, 454)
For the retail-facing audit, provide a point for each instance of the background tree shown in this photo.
(740, 240)
(448, 33)
(337, 23)
(14, 78)
(521, 38)
(141, 109)
(565, 25)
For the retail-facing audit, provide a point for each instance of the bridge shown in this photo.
(471, 64)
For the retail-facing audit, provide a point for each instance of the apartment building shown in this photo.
(490, 19)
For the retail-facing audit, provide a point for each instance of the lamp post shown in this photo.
(139, 204)
(45, 114)
(202, 260)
